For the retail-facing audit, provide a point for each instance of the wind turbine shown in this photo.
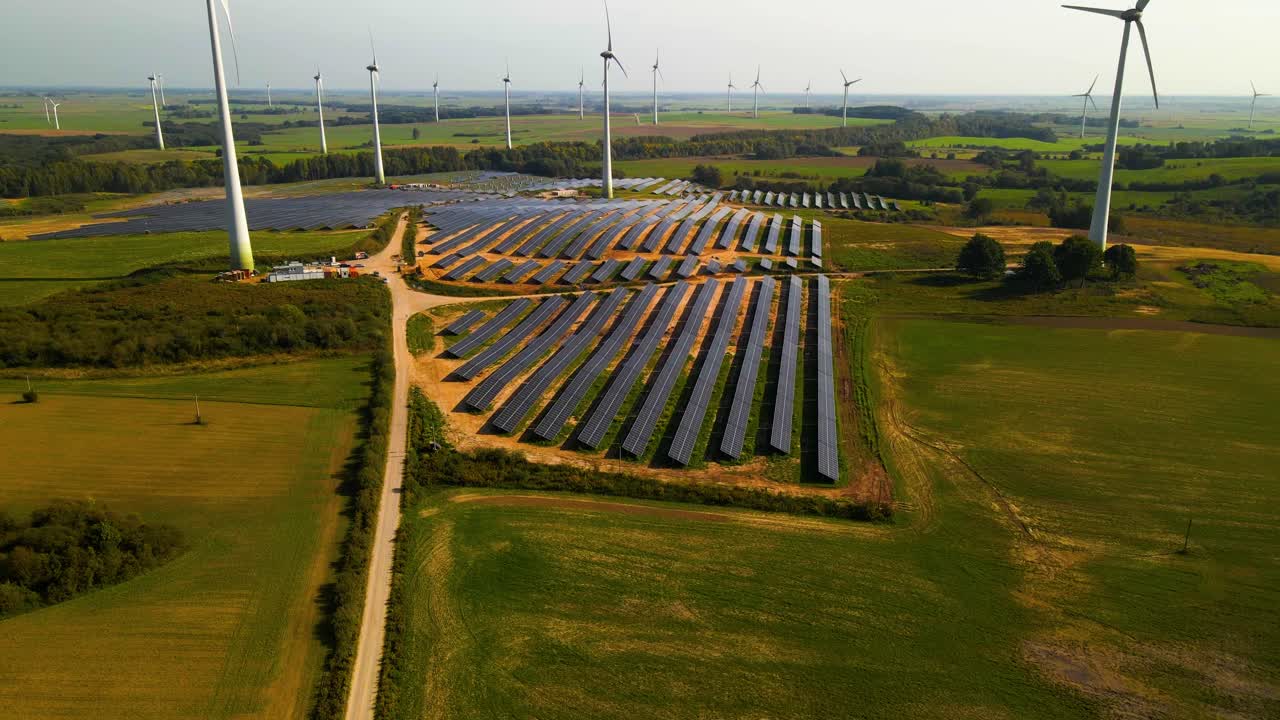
(238, 224)
(435, 94)
(156, 107)
(756, 89)
(55, 105)
(1102, 205)
(608, 57)
(1088, 98)
(1254, 104)
(657, 71)
(269, 103)
(374, 73)
(807, 88)
(582, 83)
(160, 79)
(47, 119)
(506, 88)
(324, 143)
(732, 87)
(844, 122)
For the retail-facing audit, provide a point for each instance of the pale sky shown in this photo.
(991, 47)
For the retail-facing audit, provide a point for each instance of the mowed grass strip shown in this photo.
(229, 629)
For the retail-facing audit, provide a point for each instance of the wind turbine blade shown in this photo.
(844, 77)
(1095, 84)
(1142, 5)
(235, 52)
(1142, 31)
(855, 82)
(624, 70)
(609, 26)
(1100, 11)
(1095, 105)
(373, 48)
(1254, 88)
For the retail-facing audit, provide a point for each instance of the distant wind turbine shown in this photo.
(160, 80)
(608, 57)
(756, 89)
(374, 74)
(55, 105)
(582, 83)
(155, 106)
(435, 94)
(1254, 104)
(1084, 113)
(324, 142)
(657, 71)
(844, 122)
(807, 88)
(269, 103)
(238, 224)
(1102, 205)
(732, 87)
(506, 88)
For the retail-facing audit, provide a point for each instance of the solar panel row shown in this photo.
(493, 271)
(633, 268)
(578, 273)
(606, 271)
(687, 267)
(695, 411)
(708, 231)
(520, 272)
(735, 431)
(775, 233)
(661, 267)
(464, 323)
(828, 445)
(641, 432)
(521, 403)
(465, 268)
(504, 317)
(753, 232)
(797, 236)
(785, 393)
(484, 393)
(520, 333)
(816, 250)
(546, 274)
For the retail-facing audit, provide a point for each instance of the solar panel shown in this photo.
(768, 199)
(755, 199)
(606, 271)
(447, 262)
(592, 231)
(753, 232)
(688, 267)
(519, 334)
(641, 432)
(713, 267)
(793, 263)
(483, 394)
(577, 273)
(571, 396)
(464, 323)
(566, 235)
(520, 272)
(731, 230)
(633, 268)
(785, 393)
(545, 275)
(817, 262)
(818, 200)
(661, 267)
(695, 411)
(857, 201)
(733, 196)
(681, 234)
(522, 401)
(517, 234)
(531, 236)
(828, 443)
(708, 231)
(465, 268)
(844, 201)
(735, 432)
(489, 329)
(831, 199)
(804, 201)
(797, 236)
(766, 264)
(816, 250)
(637, 231)
(493, 271)
(775, 233)
(739, 266)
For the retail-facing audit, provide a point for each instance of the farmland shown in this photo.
(227, 629)
(527, 604)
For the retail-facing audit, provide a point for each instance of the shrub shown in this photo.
(1121, 260)
(981, 257)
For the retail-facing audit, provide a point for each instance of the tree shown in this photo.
(417, 134)
(1121, 260)
(981, 257)
(1076, 257)
(708, 175)
(979, 208)
(1039, 270)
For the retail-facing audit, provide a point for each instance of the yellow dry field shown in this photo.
(229, 628)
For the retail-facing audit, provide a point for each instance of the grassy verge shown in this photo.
(421, 334)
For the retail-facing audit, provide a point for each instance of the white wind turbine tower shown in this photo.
(1254, 104)
(732, 87)
(160, 80)
(380, 175)
(506, 89)
(269, 103)
(156, 107)
(435, 94)
(657, 71)
(238, 224)
(1084, 113)
(807, 88)
(1102, 205)
(582, 83)
(55, 105)
(844, 122)
(608, 57)
(324, 142)
(756, 89)
(48, 120)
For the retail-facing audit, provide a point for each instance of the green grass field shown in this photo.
(1100, 442)
(1063, 145)
(39, 268)
(229, 629)
(1174, 171)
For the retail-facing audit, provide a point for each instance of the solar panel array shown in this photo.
(633, 268)
(785, 393)
(464, 323)
(641, 433)
(797, 236)
(816, 251)
(493, 271)
(546, 274)
(775, 233)
(828, 443)
(735, 431)
(521, 403)
(661, 267)
(483, 394)
(522, 332)
(505, 317)
(554, 420)
(465, 268)
(696, 410)
(708, 231)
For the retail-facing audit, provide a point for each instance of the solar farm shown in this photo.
(651, 372)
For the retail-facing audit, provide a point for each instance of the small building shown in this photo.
(294, 272)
